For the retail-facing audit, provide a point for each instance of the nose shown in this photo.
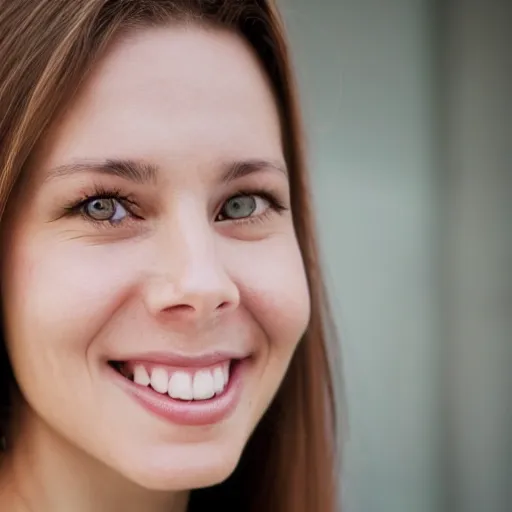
(190, 285)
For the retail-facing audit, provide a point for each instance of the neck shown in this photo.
(42, 472)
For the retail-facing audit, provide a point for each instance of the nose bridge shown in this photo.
(193, 244)
(193, 277)
(200, 270)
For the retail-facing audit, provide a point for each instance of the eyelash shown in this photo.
(274, 205)
(99, 192)
(78, 207)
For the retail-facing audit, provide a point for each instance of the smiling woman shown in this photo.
(164, 324)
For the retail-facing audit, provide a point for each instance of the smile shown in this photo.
(202, 392)
(181, 384)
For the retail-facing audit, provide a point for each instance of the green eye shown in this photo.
(239, 207)
(105, 209)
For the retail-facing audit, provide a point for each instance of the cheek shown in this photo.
(57, 297)
(275, 295)
(274, 290)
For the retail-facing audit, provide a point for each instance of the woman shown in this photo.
(164, 321)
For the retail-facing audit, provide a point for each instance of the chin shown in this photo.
(181, 472)
(177, 480)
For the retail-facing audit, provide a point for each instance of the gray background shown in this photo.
(407, 111)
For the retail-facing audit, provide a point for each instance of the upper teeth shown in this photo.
(201, 385)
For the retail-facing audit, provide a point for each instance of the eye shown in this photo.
(242, 206)
(105, 209)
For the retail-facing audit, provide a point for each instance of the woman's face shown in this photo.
(153, 287)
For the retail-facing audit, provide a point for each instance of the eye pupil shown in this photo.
(101, 209)
(240, 206)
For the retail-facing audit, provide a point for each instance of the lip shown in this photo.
(183, 361)
(193, 413)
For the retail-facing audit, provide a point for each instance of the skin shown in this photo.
(179, 278)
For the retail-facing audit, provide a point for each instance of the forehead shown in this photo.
(170, 94)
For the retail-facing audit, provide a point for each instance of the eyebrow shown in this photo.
(141, 172)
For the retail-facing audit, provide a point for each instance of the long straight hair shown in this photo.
(47, 48)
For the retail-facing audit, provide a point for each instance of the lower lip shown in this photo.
(193, 413)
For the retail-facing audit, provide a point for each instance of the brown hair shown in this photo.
(46, 50)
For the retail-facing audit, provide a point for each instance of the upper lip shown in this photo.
(183, 360)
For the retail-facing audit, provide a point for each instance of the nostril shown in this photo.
(222, 306)
(181, 308)
(184, 309)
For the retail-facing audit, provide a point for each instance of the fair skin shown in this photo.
(182, 274)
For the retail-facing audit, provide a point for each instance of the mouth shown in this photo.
(199, 393)
(184, 384)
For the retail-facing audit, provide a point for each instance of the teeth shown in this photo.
(225, 370)
(141, 376)
(180, 386)
(159, 380)
(203, 385)
(218, 380)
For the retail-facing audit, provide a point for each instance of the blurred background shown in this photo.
(407, 105)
